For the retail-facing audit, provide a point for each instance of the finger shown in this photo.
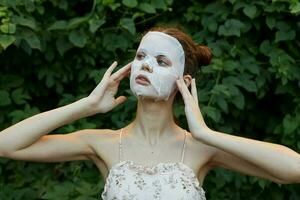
(123, 70)
(104, 83)
(185, 89)
(120, 100)
(178, 85)
(110, 69)
(183, 92)
(121, 73)
(194, 90)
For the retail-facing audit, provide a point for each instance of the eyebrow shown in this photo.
(141, 49)
(159, 53)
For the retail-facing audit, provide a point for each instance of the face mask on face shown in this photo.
(160, 58)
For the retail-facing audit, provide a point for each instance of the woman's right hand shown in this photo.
(102, 97)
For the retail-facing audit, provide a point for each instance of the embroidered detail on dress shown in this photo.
(141, 176)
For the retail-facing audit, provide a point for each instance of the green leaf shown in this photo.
(231, 80)
(29, 5)
(111, 42)
(295, 8)
(212, 112)
(148, 8)
(128, 24)
(58, 25)
(248, 62)
(8, 28)
(249, 85)
(28, 22)
(220, 90)
(94, 24)
(4, 98)
(238, 101)
(265, 47)
(250, 11)
(290, 124)
(231, 65)
(10, 81)
(159, 4)
(19, 97)
(233, 90)
(40, 9)
(6, 40)
(213, 26)
(78, 38)
(63, 4)
(270, 20)
(130, 3)
(33, 40)
(285, 35)
(283, 26)
(221, 102)
(75, 22)
(232, 27)
(169, 2)
(63, 45)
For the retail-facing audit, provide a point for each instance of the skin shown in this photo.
(152, 132)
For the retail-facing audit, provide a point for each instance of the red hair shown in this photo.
(196, 55)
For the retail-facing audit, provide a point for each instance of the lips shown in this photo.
(142, 80)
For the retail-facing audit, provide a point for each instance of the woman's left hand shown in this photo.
(193, 114)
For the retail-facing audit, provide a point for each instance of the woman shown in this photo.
(152, 157)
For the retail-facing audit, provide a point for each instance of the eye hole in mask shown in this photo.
(160, 59)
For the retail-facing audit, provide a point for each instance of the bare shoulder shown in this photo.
(103, 142)
(89, 135)
(197, 146)
(200, 152)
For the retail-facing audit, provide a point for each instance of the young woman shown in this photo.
(152, 157)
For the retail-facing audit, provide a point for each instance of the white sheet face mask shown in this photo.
(164, 57)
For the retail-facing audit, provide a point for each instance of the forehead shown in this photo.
(158, 44)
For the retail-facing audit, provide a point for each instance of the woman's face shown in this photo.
(160, 59)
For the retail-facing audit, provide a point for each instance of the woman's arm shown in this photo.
(282, 163)
(32, 131)
(26, 132)
(56, 148)
(273, 161)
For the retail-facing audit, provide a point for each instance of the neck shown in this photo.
(154, 120)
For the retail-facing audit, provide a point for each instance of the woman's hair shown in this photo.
(196, 55)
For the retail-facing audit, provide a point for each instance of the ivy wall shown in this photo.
(53, 53)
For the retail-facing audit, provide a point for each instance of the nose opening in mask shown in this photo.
(146, 67)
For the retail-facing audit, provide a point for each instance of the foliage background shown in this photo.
(53, 53)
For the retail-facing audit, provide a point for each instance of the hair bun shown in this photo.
(204, 55)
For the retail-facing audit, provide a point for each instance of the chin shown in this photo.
(149, 93)
(152, 98)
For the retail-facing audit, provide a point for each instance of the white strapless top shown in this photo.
(128, 180)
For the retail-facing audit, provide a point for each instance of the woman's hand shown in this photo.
(192, 111)
(103, 96)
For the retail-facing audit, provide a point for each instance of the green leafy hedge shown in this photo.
(55, 52)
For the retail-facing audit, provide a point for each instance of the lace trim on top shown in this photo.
(118, 170)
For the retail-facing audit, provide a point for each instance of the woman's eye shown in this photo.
(140, 56)
(162, 63)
